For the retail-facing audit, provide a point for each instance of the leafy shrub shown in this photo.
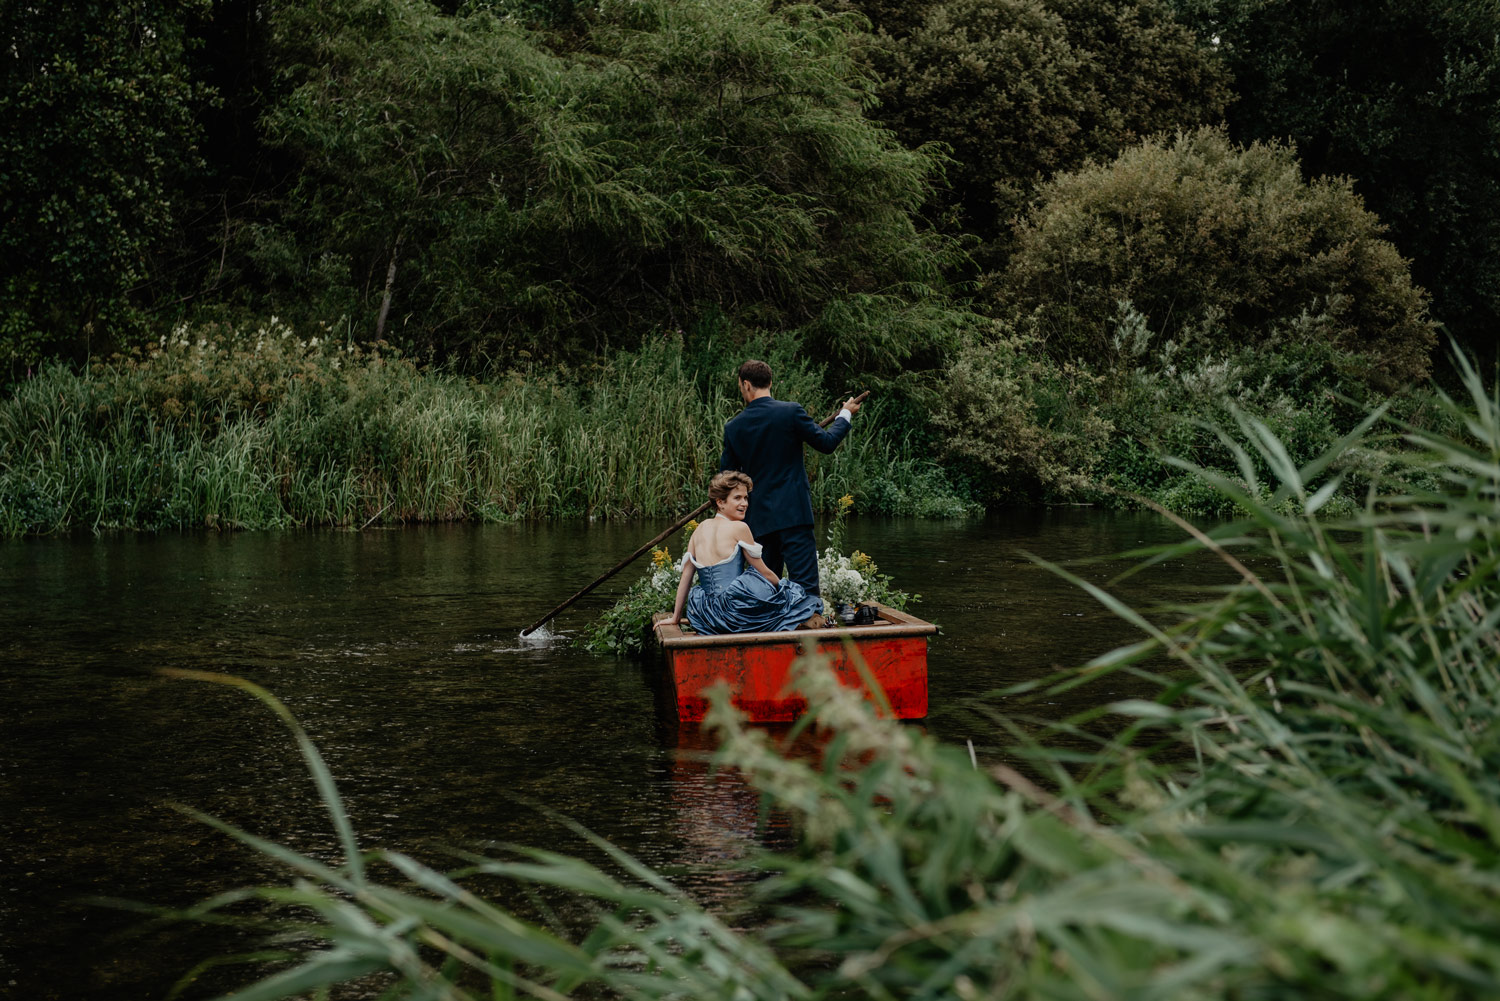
(625, 627)
(215, 373)
(1168, 406)
(1218, 246)
(1022, 422)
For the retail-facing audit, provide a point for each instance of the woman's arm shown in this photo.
(761, 568)
(683, 587)
(741, 534)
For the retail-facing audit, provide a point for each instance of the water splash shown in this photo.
(539, 641)
(541, 636)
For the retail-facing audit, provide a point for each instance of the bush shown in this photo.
(1023, 423)
(625, 627)
(1218, 246)
(1166, 407)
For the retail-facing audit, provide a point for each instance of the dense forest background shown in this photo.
(1059, 238)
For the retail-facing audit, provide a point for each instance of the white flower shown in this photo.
(664, 580)
(839, 581)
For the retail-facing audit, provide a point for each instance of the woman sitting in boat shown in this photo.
(738, 593)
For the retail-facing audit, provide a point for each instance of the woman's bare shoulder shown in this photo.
(740, 532)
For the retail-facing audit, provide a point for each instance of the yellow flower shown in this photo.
(846, 502)
(862, 562)
(690, 527)
(661, 559)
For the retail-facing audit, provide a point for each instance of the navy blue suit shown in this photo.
(765, 441)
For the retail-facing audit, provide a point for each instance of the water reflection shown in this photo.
(400, 652)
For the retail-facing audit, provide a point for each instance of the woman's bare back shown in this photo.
(715, 539)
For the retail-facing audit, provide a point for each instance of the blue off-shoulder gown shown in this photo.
(733, 597)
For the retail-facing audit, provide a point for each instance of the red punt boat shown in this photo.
(755, 665)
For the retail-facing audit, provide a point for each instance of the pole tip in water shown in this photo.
(540, 636)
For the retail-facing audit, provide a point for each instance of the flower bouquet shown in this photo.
(849, 580)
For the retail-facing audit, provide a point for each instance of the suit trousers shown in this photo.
(792, 552)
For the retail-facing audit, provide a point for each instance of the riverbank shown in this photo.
(275, 428)
(271, 430)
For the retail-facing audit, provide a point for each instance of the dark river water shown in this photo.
(399, 652)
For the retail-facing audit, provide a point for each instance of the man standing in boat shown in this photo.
(764, 441)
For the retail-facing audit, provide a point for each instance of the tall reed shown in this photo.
(267, 430)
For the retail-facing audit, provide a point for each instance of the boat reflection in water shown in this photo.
(722, 820)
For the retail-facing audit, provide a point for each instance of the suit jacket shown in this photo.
(764, 441)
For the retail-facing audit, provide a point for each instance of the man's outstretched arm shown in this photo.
(826, 441)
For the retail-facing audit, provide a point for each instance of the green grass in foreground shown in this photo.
(1306, 810)
(267, 430)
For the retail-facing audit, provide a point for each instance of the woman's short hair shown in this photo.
(756, 373)
(722, 485)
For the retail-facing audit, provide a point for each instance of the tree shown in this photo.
(463, 182)
(1022, 89)
(1214, 245)
(1404, 97)
(97, 136)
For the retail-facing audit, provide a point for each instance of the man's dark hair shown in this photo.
(756, 373)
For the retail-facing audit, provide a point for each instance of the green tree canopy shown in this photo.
(471, 188)
(97, 137)
(1401, 95)
(1021, 89)
(1214, 245)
